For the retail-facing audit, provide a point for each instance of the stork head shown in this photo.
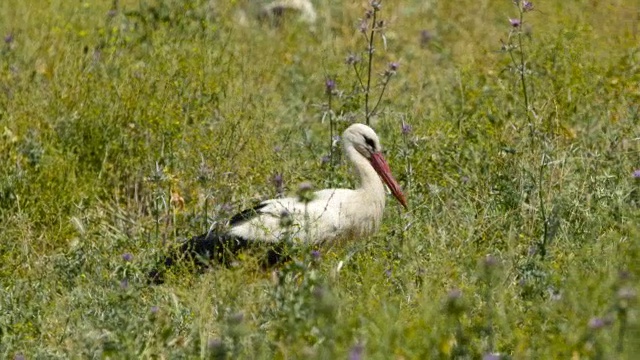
(365, 141)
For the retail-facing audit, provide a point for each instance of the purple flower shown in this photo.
(19, 356)
(277, 181)
(8, 39)
(394, 66)
(236, 318)
(425, 37)
(127, 257)
(112, 13)
(596, 323)
(154, 309)
(454, 294)
(356, 352)
(315, 254)
(624, 275)
(277, 149)
(388, 273)
(490, 261)
(124, 284)
(527, 6)
(330, 86)
(515, 23)
(406, 128)
(215, 344)
(325, 159)
(454, 304)
(636, 174)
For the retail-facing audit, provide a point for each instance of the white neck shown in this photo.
(371, 186)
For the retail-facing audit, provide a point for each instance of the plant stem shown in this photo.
(367, 114)
(331, 129)
(355, 67)
(379, 97)
(543, 212)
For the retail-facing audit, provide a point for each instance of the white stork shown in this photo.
(330, 214)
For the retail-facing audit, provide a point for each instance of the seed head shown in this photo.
(454, 305)
(364, 24)
(285, 219)
(305, 192)
(352, 59)
(627, 293)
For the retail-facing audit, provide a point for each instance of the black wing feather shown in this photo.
(215, 247)
(246, 215)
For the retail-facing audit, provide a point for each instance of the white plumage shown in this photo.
(330, 215)
(333, 213)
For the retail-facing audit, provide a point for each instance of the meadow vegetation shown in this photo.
(128, 126)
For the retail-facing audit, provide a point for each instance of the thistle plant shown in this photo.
(306, 195)
(371, 27)
(515, 48)
(455, 306)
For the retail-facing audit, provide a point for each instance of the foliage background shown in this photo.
(106, 112)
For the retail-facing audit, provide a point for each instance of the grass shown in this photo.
(522, 240)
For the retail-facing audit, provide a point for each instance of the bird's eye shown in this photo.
(370, 143)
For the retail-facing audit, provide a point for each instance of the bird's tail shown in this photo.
(200, 252)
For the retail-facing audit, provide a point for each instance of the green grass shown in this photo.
(104, 116)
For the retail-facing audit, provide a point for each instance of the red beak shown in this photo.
(382, 168)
